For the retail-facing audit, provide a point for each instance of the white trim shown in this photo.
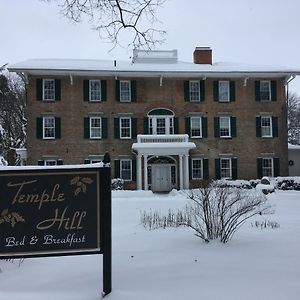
(95, 137)
(43, 89)
(126, 160)
(199, 91)
(120, 128)
(191, 129)
(90, 90)
(271, 126)
(201, 169)
(229, 126)
(230, 167)
(44, 127)
(228, 90)
(272, 166)
(129, 91)
(269, 88)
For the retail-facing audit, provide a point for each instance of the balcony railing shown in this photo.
(164, 138)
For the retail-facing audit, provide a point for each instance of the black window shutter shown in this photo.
(146, 125)
(186, 90)
(275, 126)
(258, 126)
(57, 89)
(217, 168)
(40, 163)
(204, 127)
(133, 90)
(116, 128)
(188, 126)
(216, 90)
(118, 90)
(259, 167)
(60, 162)
(133, 171)
(87, 161)
(57, 128)
(233, 126)
(86, 128)
(86, 90)
(234, 168)
(273, 90)
(176, 126)
(217, 126)
(103, 90)
(257, 90)
(205, 169)
(39, 128)
(276, 166)
(202, 90)
(117, 168)
(232, 91)
(39, 89)
(133, 128)
(104, 128)
(190, 168)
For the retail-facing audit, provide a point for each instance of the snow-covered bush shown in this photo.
(117, 184)
(213, 212)
(3, 162)
(288, 183)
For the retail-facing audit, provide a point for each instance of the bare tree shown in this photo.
(294, 118)
(112, 17)
(12, 115)
(214, 212)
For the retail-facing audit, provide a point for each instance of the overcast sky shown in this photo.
(260, 32)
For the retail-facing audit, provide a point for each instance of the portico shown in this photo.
(149, 146)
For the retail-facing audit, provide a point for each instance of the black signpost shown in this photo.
(55, 212)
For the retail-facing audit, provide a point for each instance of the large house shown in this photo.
(165, 123)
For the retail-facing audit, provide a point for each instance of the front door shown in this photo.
(161, 178)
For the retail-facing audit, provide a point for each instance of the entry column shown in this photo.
(180, 172)
(186, 171)
(145, 173)
(139, 171)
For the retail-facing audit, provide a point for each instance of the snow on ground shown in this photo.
(172, 263)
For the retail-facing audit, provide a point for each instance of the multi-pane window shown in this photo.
(95, 128)
(48, 127)
(125, 91)
(125, 128)
(224, 91)
(266, 126)
(196, 127)
(49, 89)
(225, 168)
(267, 167)
(194, 90)
(265, 90)
(50, 162)
(95, 90)
(126, 169)
(225, 130)
(161, 125)
(197, 170)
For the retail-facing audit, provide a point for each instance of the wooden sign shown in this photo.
(56, 211)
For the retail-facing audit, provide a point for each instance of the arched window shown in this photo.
(161, 121)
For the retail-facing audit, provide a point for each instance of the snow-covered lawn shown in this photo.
(260, 264)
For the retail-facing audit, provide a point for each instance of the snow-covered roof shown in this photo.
(293, 147)
(153, 69)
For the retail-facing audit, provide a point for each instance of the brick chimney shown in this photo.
(203, 55)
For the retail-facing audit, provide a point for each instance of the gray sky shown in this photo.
(259, 32)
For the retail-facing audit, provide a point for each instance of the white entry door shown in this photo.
(161, 178)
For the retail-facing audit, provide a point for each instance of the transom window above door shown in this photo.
(161, 121)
